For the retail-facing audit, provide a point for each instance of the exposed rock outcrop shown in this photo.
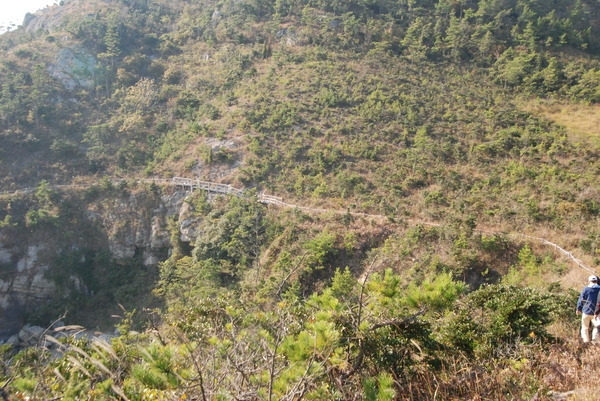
(49, 338)
(23, 282)
(74, 67)
(129, 225)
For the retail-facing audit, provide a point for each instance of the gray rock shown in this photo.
(13, 340)
(105, 337)
(216, 17)
(57, 324)
(74, 67)
(334, 23)
(31, 335)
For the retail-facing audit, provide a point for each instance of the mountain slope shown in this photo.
(412, 111)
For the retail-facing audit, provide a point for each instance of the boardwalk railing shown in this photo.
(192, 184)
(273, 200)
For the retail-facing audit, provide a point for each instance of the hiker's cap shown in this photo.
(592, 278)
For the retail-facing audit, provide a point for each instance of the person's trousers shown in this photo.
(586, 322)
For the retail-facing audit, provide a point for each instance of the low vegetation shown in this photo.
(455, 124)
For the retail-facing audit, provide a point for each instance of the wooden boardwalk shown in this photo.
(191, 184)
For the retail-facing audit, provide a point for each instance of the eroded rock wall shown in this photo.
(130, 224)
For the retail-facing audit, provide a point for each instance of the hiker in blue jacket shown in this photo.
(587, 307)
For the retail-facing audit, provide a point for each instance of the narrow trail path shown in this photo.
(214, 187)
(273, 200)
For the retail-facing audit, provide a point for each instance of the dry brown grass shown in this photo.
(571, 368)
(565, 370)
(581, 121)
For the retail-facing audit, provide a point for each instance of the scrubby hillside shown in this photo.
(398, 109)
(427, 134)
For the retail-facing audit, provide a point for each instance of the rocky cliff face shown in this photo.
(74, 67)
(52, 17)
(22, 282)
(130, 226)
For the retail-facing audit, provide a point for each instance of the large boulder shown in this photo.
(31, 335)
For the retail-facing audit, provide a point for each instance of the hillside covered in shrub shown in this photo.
(428, 146)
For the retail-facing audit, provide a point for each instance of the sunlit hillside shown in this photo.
(432, 212)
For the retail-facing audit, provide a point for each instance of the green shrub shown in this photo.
(496, 317)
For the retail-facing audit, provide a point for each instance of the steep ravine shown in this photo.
(89, 236)
(94, 243)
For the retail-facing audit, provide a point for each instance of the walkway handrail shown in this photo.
(206, 185)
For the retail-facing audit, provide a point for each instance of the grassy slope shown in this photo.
(368, 131)
(581, 121)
